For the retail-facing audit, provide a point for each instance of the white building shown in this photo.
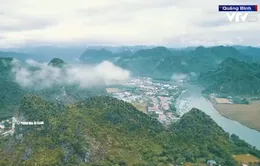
(2, 126)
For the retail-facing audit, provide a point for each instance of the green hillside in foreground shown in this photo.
(107, 131)
(233, 77)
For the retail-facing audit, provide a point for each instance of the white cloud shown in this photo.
(122, 22)
(40, 75)
(179, 77)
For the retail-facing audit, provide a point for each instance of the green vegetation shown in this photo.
(34, 108)
(241, 147)
(233, 77)
(7, 125)
(161, 62)
(249, 51)
(94, 56)
(107, 131)
(158, 62)
(56, 62)
(12, 93)
(237, 100)
(202, 138)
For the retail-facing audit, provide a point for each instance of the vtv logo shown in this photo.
(240, 17)
(237, 17)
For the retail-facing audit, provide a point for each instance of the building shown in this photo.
(2, 126)
(222, 101)
(211, 162)
(151, 109)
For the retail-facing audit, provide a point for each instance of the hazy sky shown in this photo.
(122, 22)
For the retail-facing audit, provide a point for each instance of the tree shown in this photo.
(7, 124)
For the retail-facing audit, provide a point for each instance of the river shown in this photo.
(192, 97)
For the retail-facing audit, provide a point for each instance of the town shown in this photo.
(151, 97)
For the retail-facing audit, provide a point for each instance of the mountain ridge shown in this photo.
(233, 77)
(106, 131)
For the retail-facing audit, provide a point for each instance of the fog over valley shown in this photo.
(41, 75)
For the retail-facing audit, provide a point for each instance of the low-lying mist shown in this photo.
(33, 74)
(180, 77)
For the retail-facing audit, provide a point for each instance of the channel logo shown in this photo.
(240, 13)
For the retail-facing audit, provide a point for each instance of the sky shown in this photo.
(123, 22)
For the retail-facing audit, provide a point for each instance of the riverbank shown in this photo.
(247, 115)
(194, 98)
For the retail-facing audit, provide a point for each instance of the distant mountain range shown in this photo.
(73, 53)
(47, 53)
(161, 62)
(93, 56)
(221, 69)
(254, 52)
(67, 53)
(17, 55)
(233, 77)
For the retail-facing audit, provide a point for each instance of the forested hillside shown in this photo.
(56, 62)
(107, 131)
(161, 62)
(93, 56)
(233, 77)
(12, 92)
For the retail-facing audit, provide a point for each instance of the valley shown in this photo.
(147, 107)
(246, 114)
(147, 93)
(194, 97)
(155, 99)
(129, 83)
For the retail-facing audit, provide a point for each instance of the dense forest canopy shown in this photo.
(107, 131)
(233, 77)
